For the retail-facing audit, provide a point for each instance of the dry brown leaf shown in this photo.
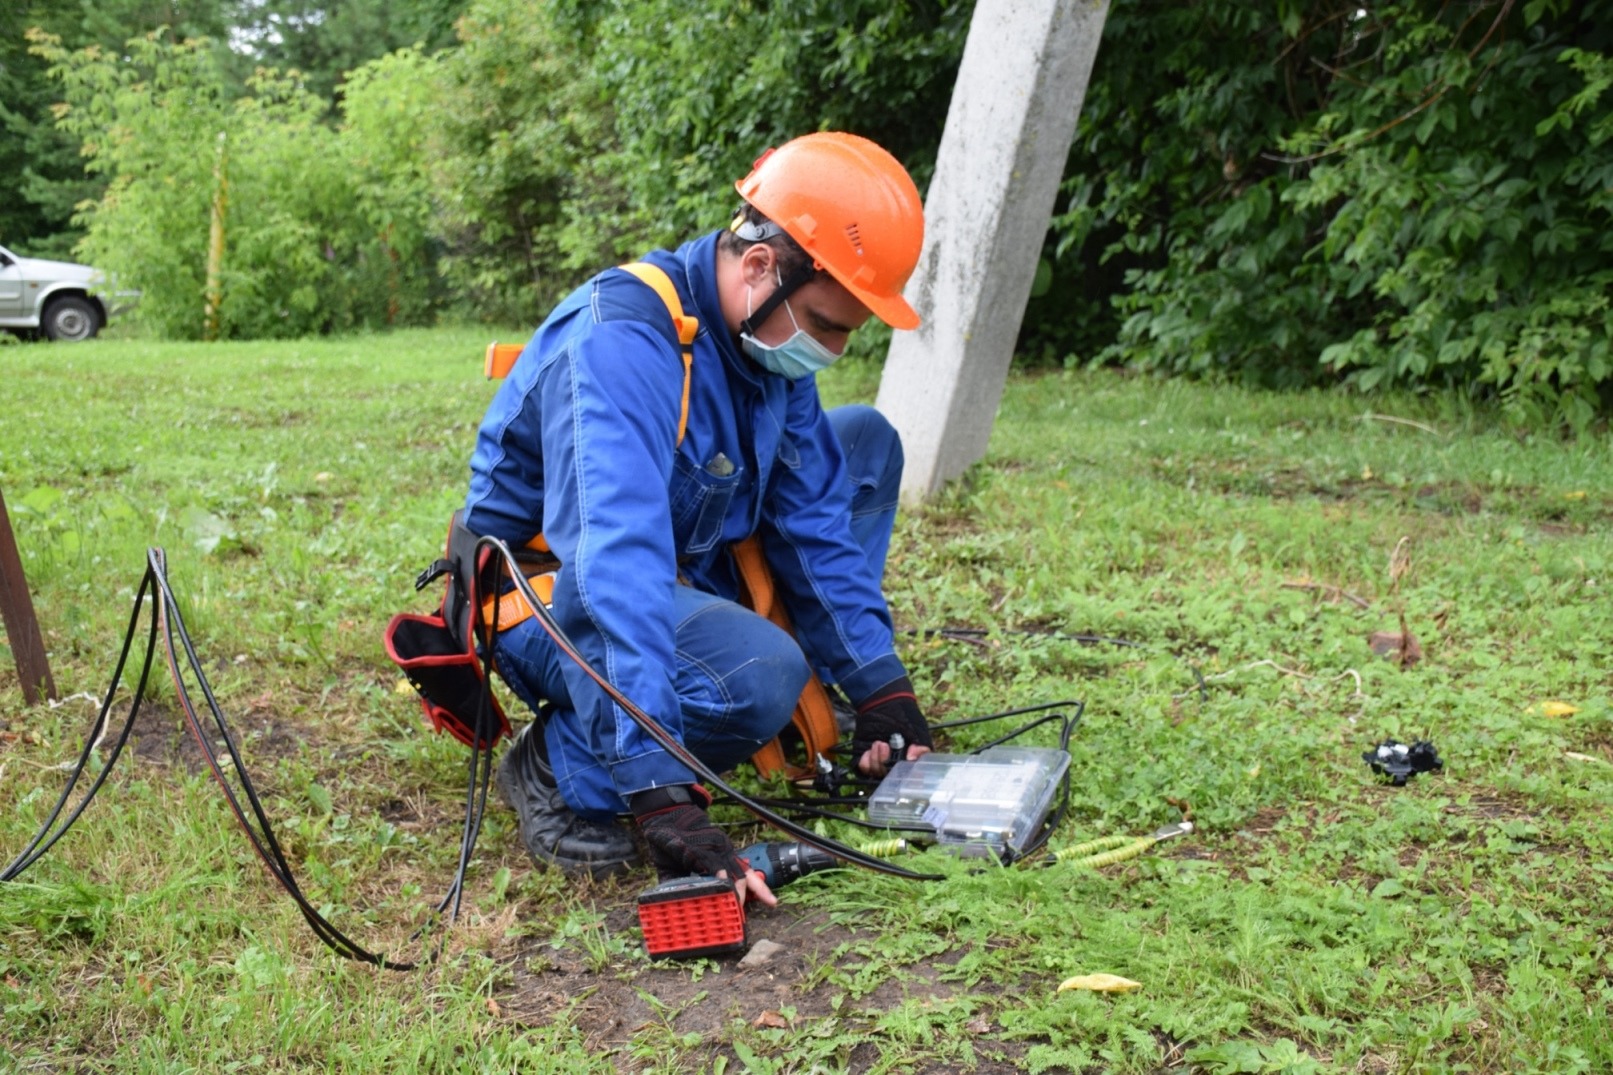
(1394, 644)
(772, 1019)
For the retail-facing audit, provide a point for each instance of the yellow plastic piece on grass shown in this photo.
(1100, 983)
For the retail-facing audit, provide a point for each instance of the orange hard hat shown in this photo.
(853, 207)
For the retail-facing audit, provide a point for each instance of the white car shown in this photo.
(66, 300)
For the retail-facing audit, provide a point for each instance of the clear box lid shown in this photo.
(994, 801)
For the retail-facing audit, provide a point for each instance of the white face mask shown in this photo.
(799, 356)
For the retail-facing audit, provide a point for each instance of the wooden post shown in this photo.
(22, 628)
(214, 296)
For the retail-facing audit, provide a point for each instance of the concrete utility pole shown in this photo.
(1025, 70)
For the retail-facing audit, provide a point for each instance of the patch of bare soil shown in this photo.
(611, 1008)
(161, 736)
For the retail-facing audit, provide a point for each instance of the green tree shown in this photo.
(314, 242)
(43, 163)
(387, 115)
(698, 91)
(326, 40)
(581, 132)
(523, 163)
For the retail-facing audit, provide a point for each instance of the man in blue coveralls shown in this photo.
(587, 443)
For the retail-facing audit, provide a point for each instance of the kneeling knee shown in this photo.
(771, 687)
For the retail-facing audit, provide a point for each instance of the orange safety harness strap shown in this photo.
(813, 717)
(511, 608)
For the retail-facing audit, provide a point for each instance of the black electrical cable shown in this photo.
(1040, 707)
(168, 623)
(40, 844)
(1022, 729)
(670, 744)
(822, 806)
(264, 843)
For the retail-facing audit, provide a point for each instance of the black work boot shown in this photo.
(551, 832)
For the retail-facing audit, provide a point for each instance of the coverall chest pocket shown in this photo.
(701, 496)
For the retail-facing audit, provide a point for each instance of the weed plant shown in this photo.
(1250, 546)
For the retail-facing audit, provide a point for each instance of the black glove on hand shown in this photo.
(680, 835)
(891, 710)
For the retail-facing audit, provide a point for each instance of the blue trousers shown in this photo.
(738, 675)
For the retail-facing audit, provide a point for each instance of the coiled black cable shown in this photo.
(168, 623)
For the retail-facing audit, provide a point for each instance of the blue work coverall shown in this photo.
(581, 443)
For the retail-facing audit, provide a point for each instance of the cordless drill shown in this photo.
(699, 916)
(781, 863)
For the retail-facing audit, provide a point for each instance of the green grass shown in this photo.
(1316, 921)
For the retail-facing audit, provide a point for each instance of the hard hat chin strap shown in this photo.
(788, 286)
(754, 231)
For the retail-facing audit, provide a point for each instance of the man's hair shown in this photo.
(791, 257)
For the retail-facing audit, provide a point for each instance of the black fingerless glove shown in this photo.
(681, 838)
(891, 710)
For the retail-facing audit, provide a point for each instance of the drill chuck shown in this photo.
(781, 863)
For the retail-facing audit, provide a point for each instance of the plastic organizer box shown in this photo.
(992, 802)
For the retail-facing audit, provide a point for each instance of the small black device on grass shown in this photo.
(1400, 762)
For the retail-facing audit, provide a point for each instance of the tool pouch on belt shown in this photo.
(438, 653)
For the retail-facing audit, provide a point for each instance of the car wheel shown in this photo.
(71, 318)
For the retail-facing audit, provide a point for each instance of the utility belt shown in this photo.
(438, 653)
(507, 608)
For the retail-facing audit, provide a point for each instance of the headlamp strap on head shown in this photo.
(787, 287)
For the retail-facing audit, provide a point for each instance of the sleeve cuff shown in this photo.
(870, 681)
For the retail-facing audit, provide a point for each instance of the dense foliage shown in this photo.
(313, 241)
(322, 39)
(1307, 191)
(44, 171)
(1391, 194)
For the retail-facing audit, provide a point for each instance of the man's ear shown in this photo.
(756, 264)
